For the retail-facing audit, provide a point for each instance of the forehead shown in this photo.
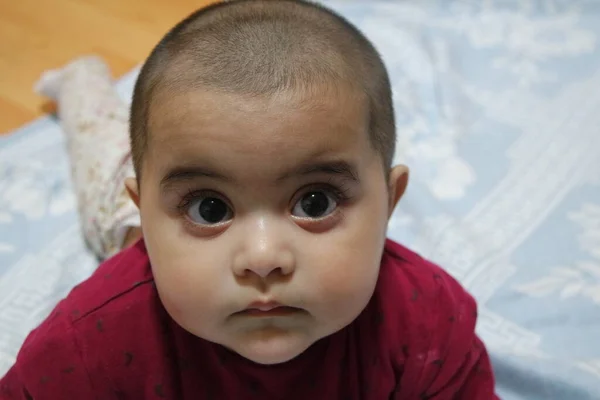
(274, 130)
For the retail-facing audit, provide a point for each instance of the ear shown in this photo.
(133, 190)
(396, 186)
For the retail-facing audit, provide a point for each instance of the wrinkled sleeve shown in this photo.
(49, 365)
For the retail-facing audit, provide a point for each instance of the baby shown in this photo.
(262, 138)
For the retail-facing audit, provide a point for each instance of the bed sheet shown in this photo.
(498, 116)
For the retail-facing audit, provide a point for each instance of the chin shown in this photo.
(274, 350)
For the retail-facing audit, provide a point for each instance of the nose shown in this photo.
(264, 251)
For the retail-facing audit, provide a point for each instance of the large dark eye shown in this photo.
(209, 210)
(316, 204)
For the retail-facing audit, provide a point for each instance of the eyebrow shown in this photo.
(339, 168)
(343, 169)
(188, 173)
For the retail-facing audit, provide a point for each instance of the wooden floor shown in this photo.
(39, 34)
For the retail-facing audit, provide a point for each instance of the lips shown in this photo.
(268, 309)
(264, 306)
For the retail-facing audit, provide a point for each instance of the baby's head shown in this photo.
(262, 137)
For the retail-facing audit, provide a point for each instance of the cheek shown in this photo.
(347, 276)
(349, 257)
(183, 267)
(189, 285)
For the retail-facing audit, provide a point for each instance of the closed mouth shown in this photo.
(280, 311)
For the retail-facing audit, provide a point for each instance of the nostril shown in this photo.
(263, 263)
(264, 273)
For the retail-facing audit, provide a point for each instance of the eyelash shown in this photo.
(341, 194)
(192, 194)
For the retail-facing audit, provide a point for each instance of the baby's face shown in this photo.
(264, 217)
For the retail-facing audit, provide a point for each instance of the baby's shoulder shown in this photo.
(418, 282)
(106, 322)
(428, 330)
(423, 305)
(118, 285)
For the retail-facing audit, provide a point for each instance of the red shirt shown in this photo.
(112, 339)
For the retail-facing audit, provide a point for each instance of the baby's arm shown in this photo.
(477, 380)
(463, 371)
(49, 365)
(466, 373)
(446, 361)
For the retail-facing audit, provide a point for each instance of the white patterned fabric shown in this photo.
(498, 115)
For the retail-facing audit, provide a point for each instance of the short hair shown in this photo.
(261, 47)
